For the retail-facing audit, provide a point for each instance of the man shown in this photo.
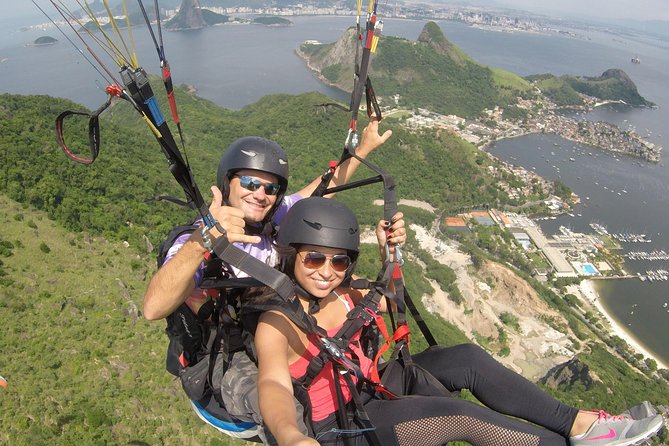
(248, 200)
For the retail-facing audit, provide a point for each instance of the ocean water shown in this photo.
(617, 191)
(236, 65)
(232, 65)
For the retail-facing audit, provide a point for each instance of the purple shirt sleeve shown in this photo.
(261, 251)
(284, 207)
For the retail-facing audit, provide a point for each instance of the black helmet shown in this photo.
(322, 222)
(256, 153)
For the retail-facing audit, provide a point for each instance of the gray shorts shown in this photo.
(239, 392)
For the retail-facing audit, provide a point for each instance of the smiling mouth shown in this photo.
(322, 284)
(256, 205)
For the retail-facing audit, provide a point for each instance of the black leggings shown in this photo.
(422, 420)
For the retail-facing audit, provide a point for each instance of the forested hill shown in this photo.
(434, 73)
(431, 73)
(109, 197)
(614, 84)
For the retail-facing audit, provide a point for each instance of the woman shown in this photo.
(319, 243)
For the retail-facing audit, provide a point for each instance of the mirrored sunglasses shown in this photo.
(253, 185)
(315, 260)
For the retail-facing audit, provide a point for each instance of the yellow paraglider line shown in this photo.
(133, 55)
(120, 58)
(114, 53)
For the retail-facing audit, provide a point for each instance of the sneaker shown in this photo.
(641, 410)
(620, 430)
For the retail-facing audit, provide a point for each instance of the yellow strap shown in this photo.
(132, 41)
(118, 33)
(151, 126)
(110, 48)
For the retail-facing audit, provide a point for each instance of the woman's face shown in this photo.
(319, 270)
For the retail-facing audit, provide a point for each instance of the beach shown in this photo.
(588, 291)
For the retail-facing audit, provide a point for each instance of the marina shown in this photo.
(659, 275)
(658, 254)
(628, 237)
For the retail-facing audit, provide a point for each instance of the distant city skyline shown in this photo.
(639, 10)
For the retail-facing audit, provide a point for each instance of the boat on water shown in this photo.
(599, 228)
(636, 60)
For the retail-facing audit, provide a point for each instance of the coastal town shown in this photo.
(568, 254)
(550, 119)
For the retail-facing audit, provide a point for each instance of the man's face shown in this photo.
(257, 203)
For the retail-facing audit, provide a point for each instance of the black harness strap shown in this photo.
(255, 268)
(422, 325)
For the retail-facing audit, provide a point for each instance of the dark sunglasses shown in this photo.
(253, 185)
(315, 260)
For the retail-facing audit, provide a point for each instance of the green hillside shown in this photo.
(83, 366)
(430, 73)
(109, 197)
(613, 85)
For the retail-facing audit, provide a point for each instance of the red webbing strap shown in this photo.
(402, 332)
(169, 88)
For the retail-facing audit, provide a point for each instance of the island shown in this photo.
(44, 40)
(272, 21)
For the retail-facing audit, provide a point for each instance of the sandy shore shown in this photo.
(588, 291)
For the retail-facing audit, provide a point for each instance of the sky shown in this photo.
(21, 8)
(641, 10)
(602, 9)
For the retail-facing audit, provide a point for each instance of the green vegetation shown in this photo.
(510, 320)
(611, 374)
(431, 73)
(85, 367)
(272, 21)
(440, 273)
(212, 18)
(110, 197)
(612, 85)
(556, 89)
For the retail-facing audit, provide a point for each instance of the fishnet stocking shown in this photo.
(439, 430)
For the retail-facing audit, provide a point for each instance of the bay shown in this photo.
(235, 65)
(231, 65)
(624, 194)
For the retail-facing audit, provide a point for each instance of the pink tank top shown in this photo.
(322, 392)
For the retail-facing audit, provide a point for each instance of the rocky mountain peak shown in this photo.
(433, 36)
(188, 17)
